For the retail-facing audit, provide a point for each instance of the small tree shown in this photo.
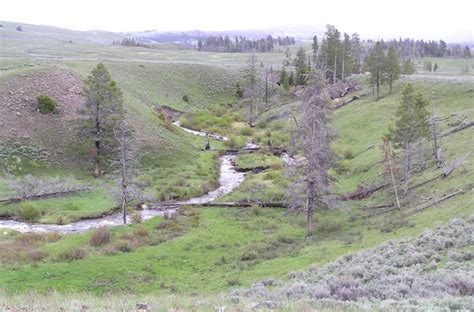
(103, 113)
(408, 67)
(392, 66)
(412, 125)
(435, 68)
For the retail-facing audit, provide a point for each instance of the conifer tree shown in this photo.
(392, 66)
(412, 125)
(104, 111)
(375, 65)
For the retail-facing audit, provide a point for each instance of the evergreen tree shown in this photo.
(412, 125)
(347, 61)
(357, 53)
(315, 48)
(408, 67)
(375, 65)
(103, 113)
(392, 66)
(435, 68)
(300, 65)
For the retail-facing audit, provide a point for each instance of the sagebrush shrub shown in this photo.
(100, 236)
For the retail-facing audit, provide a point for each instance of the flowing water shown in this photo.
(229, 180)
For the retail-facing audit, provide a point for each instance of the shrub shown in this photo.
(233, 281)
(247, 131)
(19, 28)
(141, 232)
(329, 226)
(46, 104)
(36, 255)
(28, 212)
(186, 98)
(123, 246)
(248, 255)
(72, 254)
(137, 217)
(100, 236)
(343, 167)
(347, 153)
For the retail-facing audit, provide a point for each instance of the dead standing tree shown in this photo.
(251, 78)
(126, 166)
(311, 138)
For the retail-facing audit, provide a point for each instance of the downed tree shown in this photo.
(434, 202)
(42, 196)
(363, 192)
(454, 164)
(174, 205)
(463, 125)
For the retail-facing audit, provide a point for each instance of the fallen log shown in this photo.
(363, 192)
(381, 212)
(436, 201)
(454, 164)
(41, 196)
(257, 169)
(463, 125)
(377, 207)
(174, 205)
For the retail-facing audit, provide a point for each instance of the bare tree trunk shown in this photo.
(406, 168)
(97, 144)
(378, 85)
(392, 175)
(123, 163)
(97, 159)
(343, 61)
(390, 84)
(335, 67)
(310, 209)
(266, 88)
(435, 139)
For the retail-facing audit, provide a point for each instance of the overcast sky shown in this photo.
(435, 19)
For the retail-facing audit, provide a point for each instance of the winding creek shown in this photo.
(229, 180)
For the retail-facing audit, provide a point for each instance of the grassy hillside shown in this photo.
(245, 245)
(205, 251)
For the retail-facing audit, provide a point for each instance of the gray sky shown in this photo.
(435, 19)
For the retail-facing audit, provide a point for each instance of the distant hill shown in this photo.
(51, 33)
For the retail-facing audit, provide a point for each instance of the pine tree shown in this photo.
(300, 65)
(412, 125)
(104, 111)
(375, 65)
(315, 48)
(392, 66)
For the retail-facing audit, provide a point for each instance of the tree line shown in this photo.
(242, 44)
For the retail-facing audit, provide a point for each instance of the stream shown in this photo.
(229, 180)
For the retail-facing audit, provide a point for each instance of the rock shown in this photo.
(370, 146)
(84, 307)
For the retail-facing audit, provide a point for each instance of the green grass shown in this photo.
(62, 210)
(247, 161)
(216, 249)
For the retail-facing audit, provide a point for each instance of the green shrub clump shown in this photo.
(46, 104)
(28, 212)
